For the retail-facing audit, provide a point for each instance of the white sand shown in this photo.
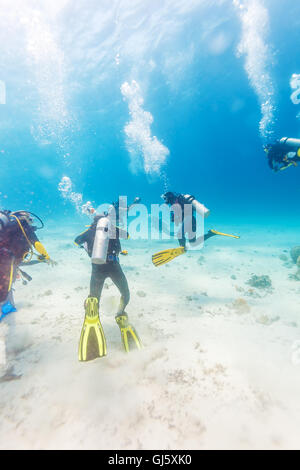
(216, 372)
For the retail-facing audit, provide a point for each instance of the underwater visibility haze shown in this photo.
(101, 99)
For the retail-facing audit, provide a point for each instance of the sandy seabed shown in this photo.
(220, 367)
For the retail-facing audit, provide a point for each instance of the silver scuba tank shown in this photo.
(199, 208)
(101, 241)
(295, 143)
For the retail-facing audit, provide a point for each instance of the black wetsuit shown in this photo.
(187, 233)
(278, 156)
(13, 247)
(111, 269)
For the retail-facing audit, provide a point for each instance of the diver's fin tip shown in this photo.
(216, 232)
(129, 336)
(92, 343)
(163, 257)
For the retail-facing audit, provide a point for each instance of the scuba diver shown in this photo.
(188, 225)
(17, 243)
(102, 243)
(283, 153)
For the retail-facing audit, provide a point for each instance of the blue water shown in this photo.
(101, 98)
(63, 65)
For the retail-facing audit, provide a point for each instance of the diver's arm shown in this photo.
(81, 238)
(41, 249)
(123, 234)
(36, 243)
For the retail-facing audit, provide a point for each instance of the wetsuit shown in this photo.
(111, 269)
(278, 158)
(13, 247)
(189, 227)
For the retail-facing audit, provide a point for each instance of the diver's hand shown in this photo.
(44, 259)
(51, 262)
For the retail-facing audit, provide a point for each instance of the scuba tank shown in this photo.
(101, 241)
(199, 208)
(294, 143)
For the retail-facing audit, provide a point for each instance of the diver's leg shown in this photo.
(208, 235)
(119, 279)
(181, 236)
(129, 336)
(192, 231)
(212, 233)
(99, 274)
(92, 343)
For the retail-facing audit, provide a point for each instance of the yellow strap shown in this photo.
(11, 275)
(24, 233)
(38, 245)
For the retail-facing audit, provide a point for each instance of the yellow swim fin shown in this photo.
(92, 342)
(129, 336)
(287, 166)
(166, 256)
(224, 234)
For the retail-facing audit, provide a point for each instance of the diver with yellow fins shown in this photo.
(102, 243)
(188, 225)
(283, 154)
(17, 243)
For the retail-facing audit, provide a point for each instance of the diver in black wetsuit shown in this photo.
(184, 209)
(102, 243)
(283, 153)
(111, 269)
(188, 224)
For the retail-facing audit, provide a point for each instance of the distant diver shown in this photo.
(17, 243)
(102, 243)
(283, 153)
(187, 226)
